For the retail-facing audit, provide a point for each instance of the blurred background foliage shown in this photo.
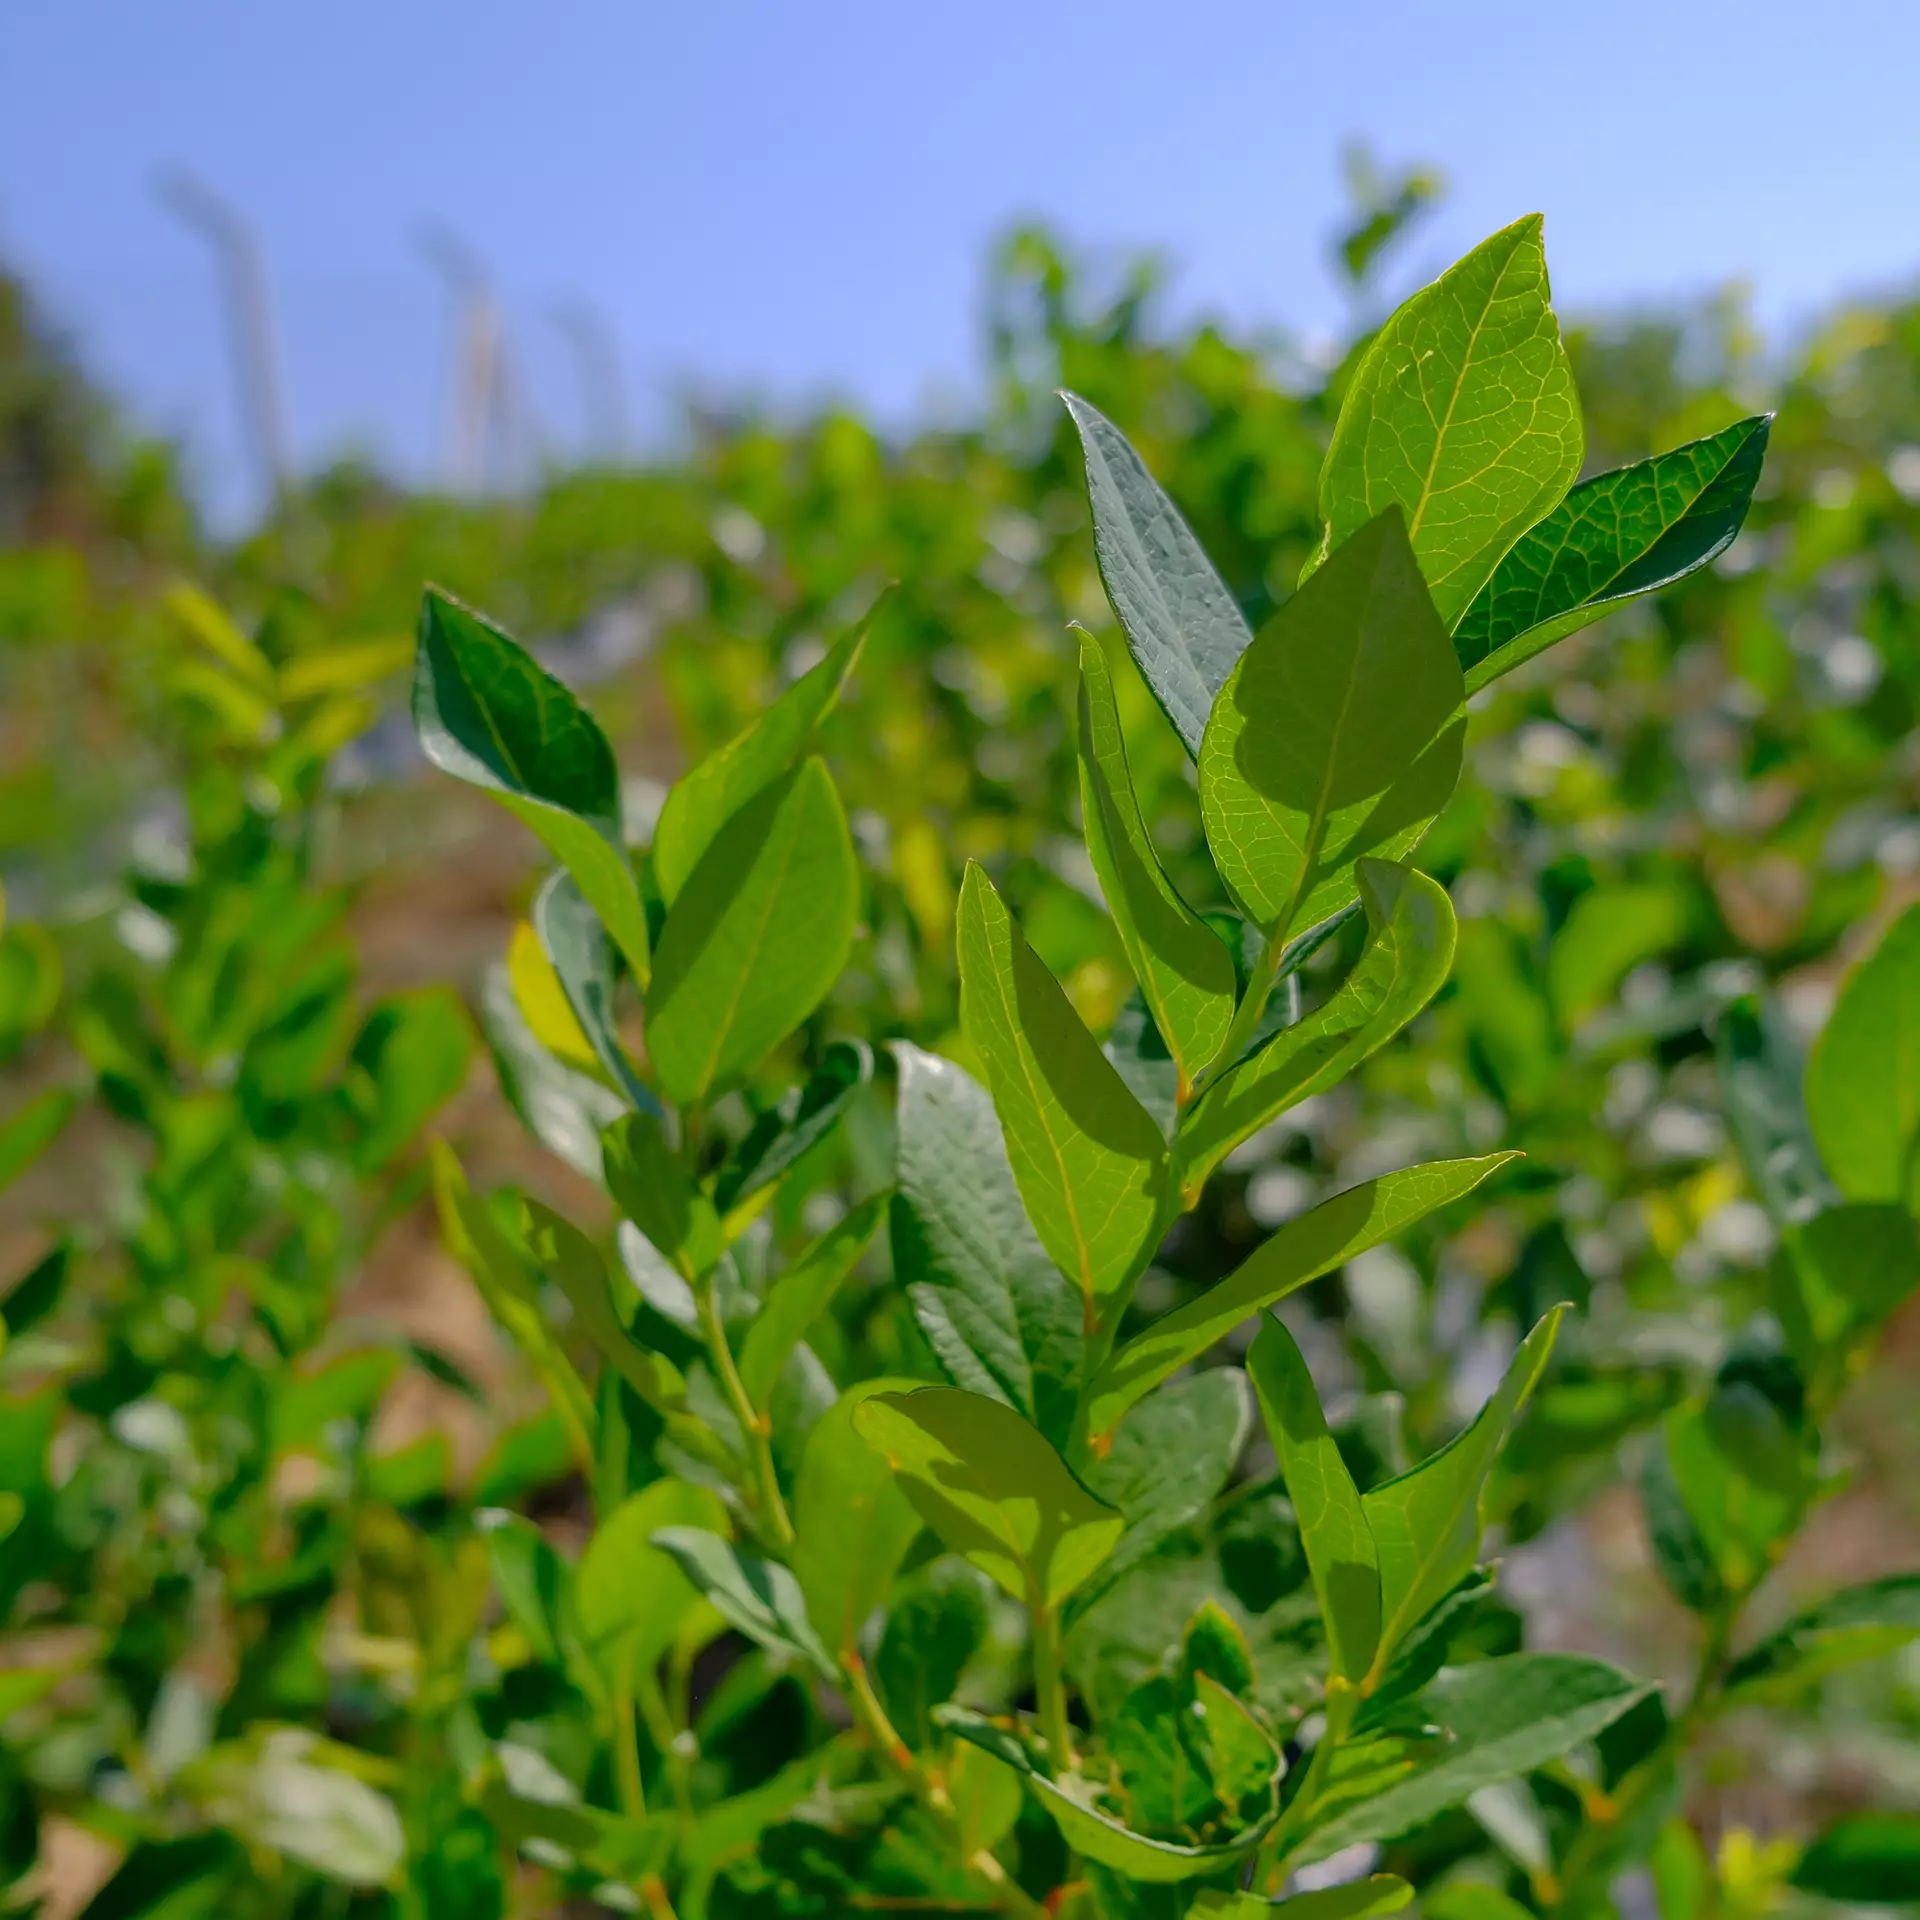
(229, 885)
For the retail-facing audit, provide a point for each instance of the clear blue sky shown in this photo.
(794, 199)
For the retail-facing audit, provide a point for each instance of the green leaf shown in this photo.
(1863, 1081)
(1403, 966)
(1760, 1075)
(1869, 1859)
(757, 936)
(1098, 1835)
(574, 1264)
(582, 957)
(1685, 1561)
(1426, 1524)
(348, 1389)
(1338, 735)
(1379, 1893)
(1182, 625)
(1506, 1717)
(564, 1110)
(487, 713)
(758, 1596)
(853, 1523)
(802, 1116)
(31, 1129)
(1320, 1240)
(187, 1879)
(1462, 413)
(1168, 1464)
(1610, 931)
(800, 1295)
(1613, 538)
(1185, 973)
(999, 1315)
(1088, 1159)
(1861, 1623)
(1745, 1477)
(1333, 1525)
(409, 1059)
(706, 797)
(655, 1192)
(934, 1628)
(530, 1578)
(1834, 1281)
(992, 1488)
(630, 1598)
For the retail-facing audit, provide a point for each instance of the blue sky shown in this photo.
(793, 199)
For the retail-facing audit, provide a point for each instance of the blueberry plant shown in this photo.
(938, 1568)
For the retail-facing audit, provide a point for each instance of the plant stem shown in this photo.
(1049, 1685)
(1342, 1704)
(626, 1745)
(872, 1717)
(755, 1430)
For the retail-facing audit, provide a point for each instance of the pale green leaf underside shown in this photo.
(1090, 1162)
(1337, 736)
(992, 1488)
(1426, 1524)
(577, 945)
(1462, 413)
(486, 712)
(1326, 1504)
(1182, 625)
(1861, 1623)
(760, 1597)
(799, 1296)
(999, 1315)
(757, 938)
(1317, 1242)
(1614, 537)
(1184, 971)
(707, 796)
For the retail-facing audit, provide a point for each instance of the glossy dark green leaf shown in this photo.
(629, 1596)
(706, 797)
(1182, 625)
(802, 1116)
(1506, 1717)
(853, 1523)
(1337, 736)
(1744, 1476)
(1404, 964)
(757, 936)
(1685, 1561)
(1185, 974)
(583, 961)
(488, 713)
(1868, 1859)
(801, 1294)
(760, 1597)
(992, 1488)
(1463, 414)
(1861, 1623)
(999, 1315)
(1090, 1163)
(186, 1879)
(1760, 1072)
(1614, 537)
(1333, 1525)
(1426, 1524)
(1168, 1464)
(1863, 1080)
(1325, 1237)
